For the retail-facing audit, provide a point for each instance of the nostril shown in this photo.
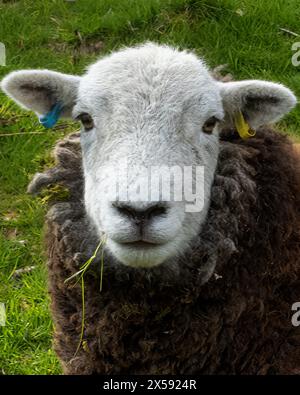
(156, 211)
(125, 209)
(140, 214)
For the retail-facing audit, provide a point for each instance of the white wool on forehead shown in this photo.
(158, 76)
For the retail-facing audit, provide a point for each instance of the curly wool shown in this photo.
(227, 307)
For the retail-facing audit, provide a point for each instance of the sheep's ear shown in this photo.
(260, 102)
(40, 90)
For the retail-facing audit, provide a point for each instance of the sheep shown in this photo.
(183, 292)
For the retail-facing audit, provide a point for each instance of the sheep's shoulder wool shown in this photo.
(224, 306)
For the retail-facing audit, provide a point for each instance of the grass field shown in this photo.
(67, 36)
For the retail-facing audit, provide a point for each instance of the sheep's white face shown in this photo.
(145, 110)
(148, 107)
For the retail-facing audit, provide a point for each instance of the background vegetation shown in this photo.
(67, 36)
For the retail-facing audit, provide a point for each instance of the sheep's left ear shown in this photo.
(260, 102)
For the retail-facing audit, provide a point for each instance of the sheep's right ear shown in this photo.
(40, 90)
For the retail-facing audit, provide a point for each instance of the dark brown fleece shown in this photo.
(162, 320)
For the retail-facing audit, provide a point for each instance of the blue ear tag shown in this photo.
(50, 119)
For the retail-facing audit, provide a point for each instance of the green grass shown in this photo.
(67, 36)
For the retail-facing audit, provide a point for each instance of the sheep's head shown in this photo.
(150, 121)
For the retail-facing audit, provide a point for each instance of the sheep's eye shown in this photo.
(209, 125)
(86, 120)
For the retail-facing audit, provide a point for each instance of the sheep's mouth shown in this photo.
(140, 244)
(139, 252)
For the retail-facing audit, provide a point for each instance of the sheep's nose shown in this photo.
(141, 215)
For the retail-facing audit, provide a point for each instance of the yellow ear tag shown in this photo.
(242, 126)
